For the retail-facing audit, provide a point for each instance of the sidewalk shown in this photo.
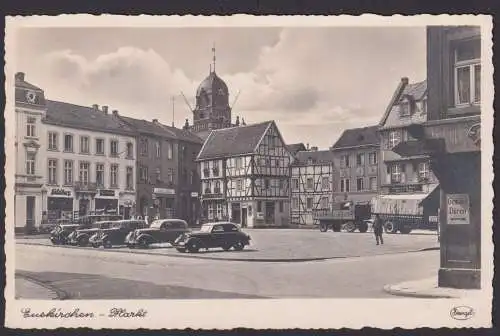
(427, 288)
(29, 289)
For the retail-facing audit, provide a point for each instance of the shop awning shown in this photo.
(417, 196)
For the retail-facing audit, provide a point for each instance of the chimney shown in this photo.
(314, 148)
(243, 123)
(307, 147)
(105, 109)
(155, 121)
(115, 112)
(186, 124)
(95, 107)
(20, 76)
(237, 121)
(404, 80)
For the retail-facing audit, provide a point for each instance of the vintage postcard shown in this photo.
(260, 172)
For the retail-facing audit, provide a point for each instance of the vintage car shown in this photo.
(224, 235)
(116, 234)
(160, 231)
(81, 237)
(59, 235)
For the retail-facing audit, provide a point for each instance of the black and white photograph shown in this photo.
(262, 172)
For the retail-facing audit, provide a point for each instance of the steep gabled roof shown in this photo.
(233, 141)
(294, 148)
(148, 127)
(183, 135)
(416, 90)
(82, 117)
(355, 137)
(317, 157)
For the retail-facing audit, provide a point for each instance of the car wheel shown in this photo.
(390, 227)
(106, 244)
(130, 246)
(226, 247)
(350, 227)
(363, 227)
(143, 243)
(95, 245)
(239, 246)
(181, 250)
(323, 227)
(405, 230)
(84, 241)
(336, 227)
(193, 246)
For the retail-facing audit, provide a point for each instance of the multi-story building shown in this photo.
(245, 175)
(451, 136)
(167, 174)
(404, 175)
(30, 109)
(312, 180)
(356, 163)
(90, 162)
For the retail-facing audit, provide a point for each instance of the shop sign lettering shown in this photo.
(458, 209)
(60, 192)
(107, 193)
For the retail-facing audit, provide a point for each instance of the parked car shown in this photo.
(59, 235)
(81, 237)
(160, 231)
(224, 235)
(116, 234)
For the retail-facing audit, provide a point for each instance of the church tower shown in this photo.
(212, 109)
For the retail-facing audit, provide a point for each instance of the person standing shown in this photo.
(378, 229)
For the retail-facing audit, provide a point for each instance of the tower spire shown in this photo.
(213, 52)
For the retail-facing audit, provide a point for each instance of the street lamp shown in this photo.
(44, 209)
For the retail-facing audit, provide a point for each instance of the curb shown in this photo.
(58, 293)
(230, 259)
(398, 292)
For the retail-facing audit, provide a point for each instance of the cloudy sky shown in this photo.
(315, 82)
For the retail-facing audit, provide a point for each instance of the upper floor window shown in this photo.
(52, 168)
(372, 158)
(295, 203)
(404, 108)
(344, 161)
(144, 146)
(373, 183)
(99, 175)
(157, 149)
(30, 126)
(130, 178)
(360, 159)
(114, 148)
(360, 184)
(467, 70)
(239, 162)
(396, 173)
(309, 203)
(310, 183)
(325, 182)
(345, 185)
(143, 174)
(30, 164)
(84, 172)
(423, 170)
(394, 138)
(53, 141)
(130, 150)
(68, 172)
(266, 184)
(169, 150)
(84, 145)
(239, 185)
(295, 184)
(99, 146)
(113, 175)
(68, 143)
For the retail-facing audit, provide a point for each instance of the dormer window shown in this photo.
(405, 109)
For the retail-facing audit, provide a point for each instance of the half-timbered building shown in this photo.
(245, 175)
(312, 178)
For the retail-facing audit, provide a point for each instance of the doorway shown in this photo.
(236, 213)
(30, 213)
(269, 214)
(83, 208)
(244, 215)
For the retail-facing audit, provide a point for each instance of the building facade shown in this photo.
(90, 162)
(166, 171)
(312, 181)
(30, 109)
(245, 175)
(405, 175)
(356, 162)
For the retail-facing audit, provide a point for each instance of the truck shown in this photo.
(406, 212)
(345, 215)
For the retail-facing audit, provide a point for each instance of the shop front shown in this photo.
(59, 204)
(106, 201)
(164, 202)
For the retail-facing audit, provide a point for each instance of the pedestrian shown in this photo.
(378, 229)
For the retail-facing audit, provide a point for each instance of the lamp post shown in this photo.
(44, 205)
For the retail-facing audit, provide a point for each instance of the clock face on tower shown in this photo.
(30, 96)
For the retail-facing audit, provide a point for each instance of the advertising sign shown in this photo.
(457, 209)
